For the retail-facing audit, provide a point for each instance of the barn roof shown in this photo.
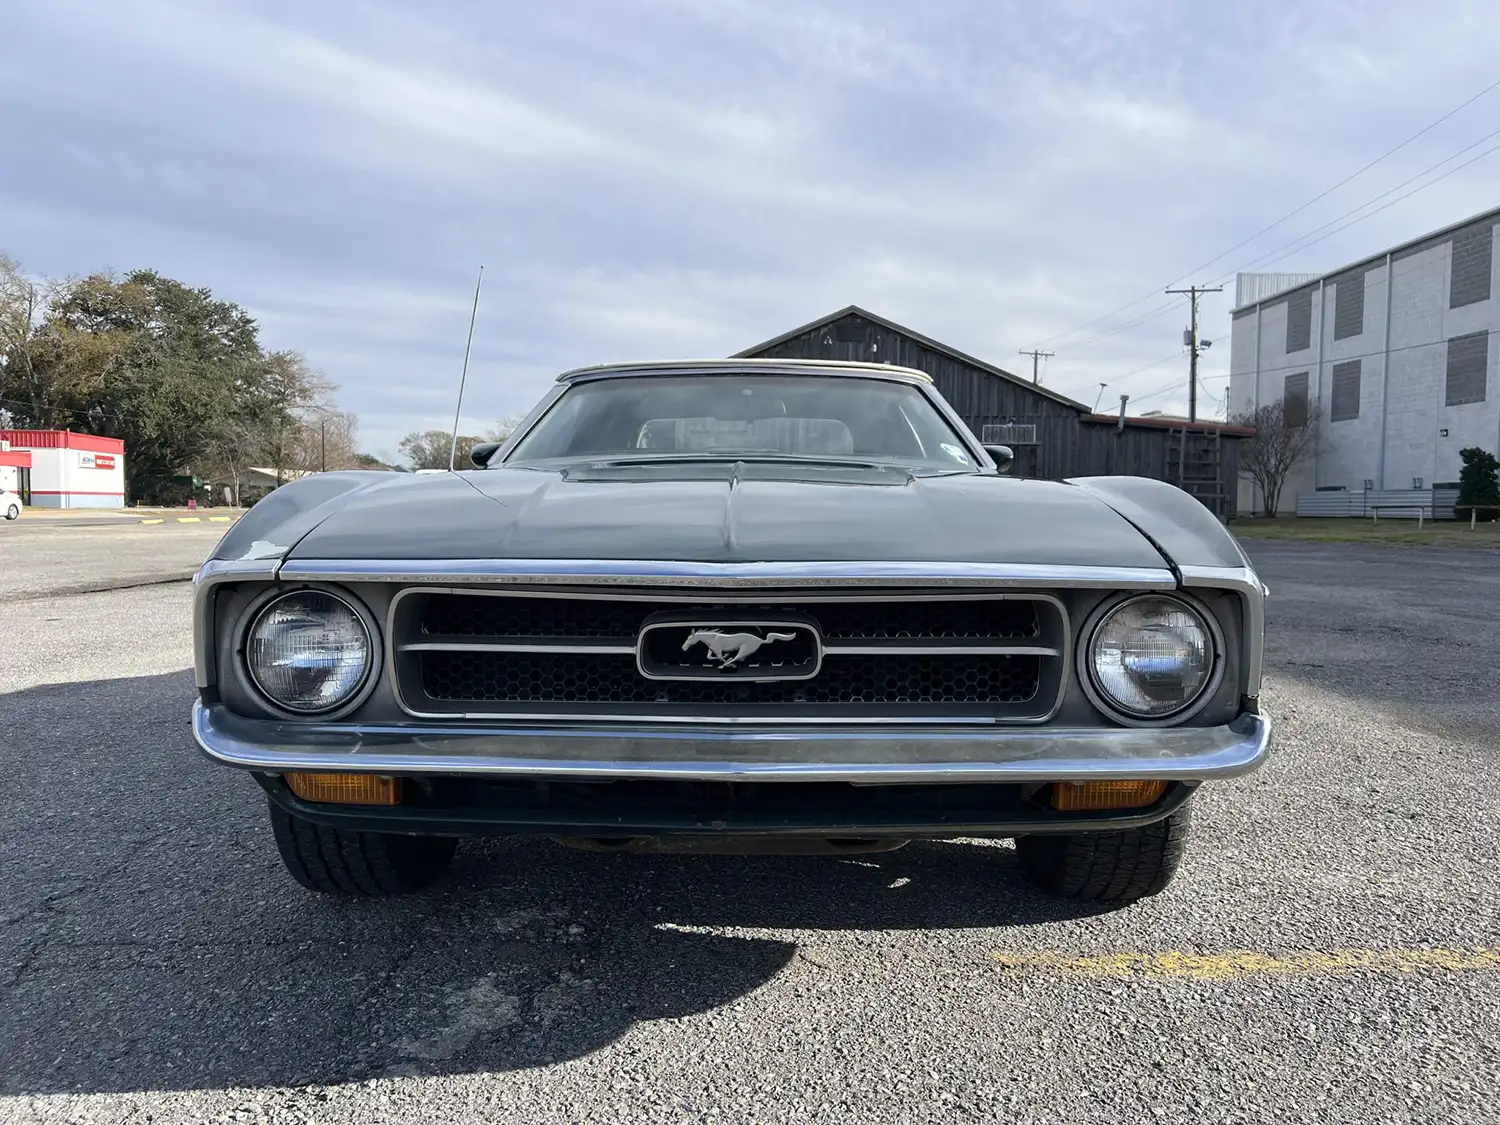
(738, 364)
(1163, 423)
(925, 341)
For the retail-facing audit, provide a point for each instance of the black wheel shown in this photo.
(12, 513)
(1107, 866)
(336, 861)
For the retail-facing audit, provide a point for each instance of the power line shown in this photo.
(1141, 319)
(1149, 366)
(87, 415)
(1303, 241)
(1265, 260)
(1305, 365)
(1296, 211)
(1174, 385)
(1310, 364)
(1352, 176)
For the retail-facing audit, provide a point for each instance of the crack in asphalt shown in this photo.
(80, 588)
(51, 906)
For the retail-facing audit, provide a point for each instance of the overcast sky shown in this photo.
(671, 178)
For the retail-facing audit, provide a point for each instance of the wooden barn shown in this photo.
(1053, 436)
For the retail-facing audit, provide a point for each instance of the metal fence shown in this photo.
(1390, 503)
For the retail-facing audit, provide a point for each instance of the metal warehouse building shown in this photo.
(61, 469)
(1395, 354)
(1053, 437)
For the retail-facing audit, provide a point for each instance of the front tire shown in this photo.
(339, 861)
(1107, 866)
(13, 512)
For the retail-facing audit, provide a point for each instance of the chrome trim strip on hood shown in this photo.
(872, 757)
(641, 572)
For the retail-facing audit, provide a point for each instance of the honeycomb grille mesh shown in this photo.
(460, 615)
(523, 677)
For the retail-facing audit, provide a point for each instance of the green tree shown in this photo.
(146, 359)
(176, 373)
(1478, 484)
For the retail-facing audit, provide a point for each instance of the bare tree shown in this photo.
(23, 304)
(231, 451)
(430, 449)
(1282, 441)
(503, 428)
(326, 441)
(293, 392)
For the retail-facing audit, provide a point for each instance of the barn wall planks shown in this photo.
(1067, 445)
(975, 394)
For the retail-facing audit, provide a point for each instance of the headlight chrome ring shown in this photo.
(309, 652)
(1150, 660)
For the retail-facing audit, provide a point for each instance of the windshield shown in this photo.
(825, 418)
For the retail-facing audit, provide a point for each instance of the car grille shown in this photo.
(529, 677)
(472, 616)
(949, 658)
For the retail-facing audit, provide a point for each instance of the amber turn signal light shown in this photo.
(1093, 796)
(345, 788)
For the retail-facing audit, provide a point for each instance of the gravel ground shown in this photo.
(158, 966)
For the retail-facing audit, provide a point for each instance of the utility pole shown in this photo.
(1190, 338)
(1036, 355)
(323, 444)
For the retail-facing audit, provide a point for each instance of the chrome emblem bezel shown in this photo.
(770, 630)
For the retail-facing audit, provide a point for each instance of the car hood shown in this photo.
(720, 512)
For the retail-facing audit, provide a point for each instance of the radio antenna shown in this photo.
(464, 378)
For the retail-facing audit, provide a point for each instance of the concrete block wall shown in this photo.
(1347, 450)
(1398, 435)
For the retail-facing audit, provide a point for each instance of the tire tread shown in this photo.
(352, 864)
(1107, 866)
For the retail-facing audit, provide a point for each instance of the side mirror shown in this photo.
(1003, 455)
(482, 452)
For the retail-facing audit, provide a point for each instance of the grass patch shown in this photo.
(1445, 533)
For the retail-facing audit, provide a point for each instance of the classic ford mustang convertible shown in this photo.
(731, 605)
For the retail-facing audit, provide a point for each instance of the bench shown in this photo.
(1422, 510)
(1474, 510)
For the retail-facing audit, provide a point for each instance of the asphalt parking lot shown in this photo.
(1330, 952)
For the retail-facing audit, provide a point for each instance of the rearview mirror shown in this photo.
(482, 452)
(1002, 454)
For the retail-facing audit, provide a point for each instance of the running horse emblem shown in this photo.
(730, 648)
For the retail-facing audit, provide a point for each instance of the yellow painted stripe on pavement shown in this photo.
(1248, 962)
(219, 519)
(189, 519)
(153, 521)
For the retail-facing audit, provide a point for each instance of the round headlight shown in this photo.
(1151, 657)
(308, 652)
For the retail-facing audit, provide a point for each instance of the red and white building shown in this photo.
(61, 469)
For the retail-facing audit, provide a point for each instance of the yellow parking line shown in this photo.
(189, 519)
(1246, 962)
(219, 519)
(153, 521)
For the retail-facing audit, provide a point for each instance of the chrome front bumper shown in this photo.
(862, 756)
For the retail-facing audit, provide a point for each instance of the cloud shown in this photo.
(680, 177)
